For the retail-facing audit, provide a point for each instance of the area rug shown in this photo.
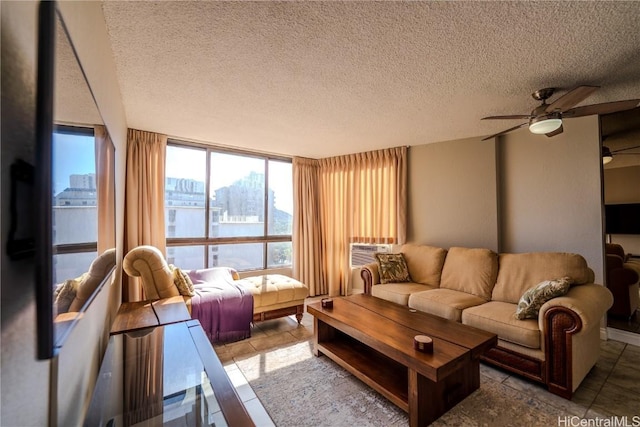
(299, 389)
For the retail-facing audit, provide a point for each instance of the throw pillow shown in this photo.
(392, 268)
(182, 281)
(65, 293)
(531, 301)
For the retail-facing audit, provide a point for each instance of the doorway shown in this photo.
(620, 136)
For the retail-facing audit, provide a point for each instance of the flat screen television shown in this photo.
(622, 218)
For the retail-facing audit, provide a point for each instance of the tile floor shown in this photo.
(611, 389)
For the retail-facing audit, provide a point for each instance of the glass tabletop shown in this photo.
(154, 376)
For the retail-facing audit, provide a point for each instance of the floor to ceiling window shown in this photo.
(227, 208)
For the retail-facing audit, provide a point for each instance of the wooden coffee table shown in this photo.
(373, 339)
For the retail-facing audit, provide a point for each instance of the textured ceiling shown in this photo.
(318, 79)
(73, 102)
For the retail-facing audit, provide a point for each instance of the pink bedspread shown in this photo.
(224, 308)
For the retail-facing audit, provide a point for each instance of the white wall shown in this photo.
(24, 380)
(452, 194)
(550, 192)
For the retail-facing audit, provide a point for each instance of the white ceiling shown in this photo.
(318, 79)
(73, 102)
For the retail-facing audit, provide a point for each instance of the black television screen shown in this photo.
(622, 219)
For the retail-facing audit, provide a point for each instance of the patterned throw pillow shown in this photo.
(182, 281)
(65, 293)
(392, 268)
(531, 301)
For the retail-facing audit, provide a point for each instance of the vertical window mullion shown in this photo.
(207, 193)
(266, 212)
(207, 206)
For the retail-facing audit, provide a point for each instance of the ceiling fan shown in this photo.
(607, 154)
(547, 118)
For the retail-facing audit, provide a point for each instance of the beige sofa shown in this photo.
(481, 288)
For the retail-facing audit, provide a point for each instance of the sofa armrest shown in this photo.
(370, 276)
(589, 302)
(148, 263)
(561, 321)
(622, 277)
(633, 264)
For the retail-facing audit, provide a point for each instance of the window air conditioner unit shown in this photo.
(362, 254)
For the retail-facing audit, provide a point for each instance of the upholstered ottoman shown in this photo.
(275, 295)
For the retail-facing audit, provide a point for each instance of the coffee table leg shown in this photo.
(428, 400)
(424, 404)
(322, 333)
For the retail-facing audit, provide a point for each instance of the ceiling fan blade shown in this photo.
(555, 132)
(515, 116)
(605, 108)
(505, 131)
(620, 150)
(571, 98)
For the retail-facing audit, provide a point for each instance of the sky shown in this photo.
(191, 164)
(75, 154)
(72, 154)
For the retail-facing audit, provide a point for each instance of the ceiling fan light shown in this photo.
(545, 124)
(606, 155)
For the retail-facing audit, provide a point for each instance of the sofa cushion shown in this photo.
(470, 270)
(424, 262)
(392, 268)
(519, 272)
(531, 301)
(497, 317)
(398, 292)
(445, 303)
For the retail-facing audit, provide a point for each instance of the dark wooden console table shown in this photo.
(164, 374)
(144, 314)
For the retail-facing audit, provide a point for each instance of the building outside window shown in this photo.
(75, 214)
(227, 208)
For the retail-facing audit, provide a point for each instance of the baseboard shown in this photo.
(603, 334)
(623, 336)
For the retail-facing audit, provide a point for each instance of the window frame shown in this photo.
(207, 240)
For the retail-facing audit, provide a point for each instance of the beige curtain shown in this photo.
(308, 255)
(143, 376)
(361, 198)
(144, 198)
(105, 187)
